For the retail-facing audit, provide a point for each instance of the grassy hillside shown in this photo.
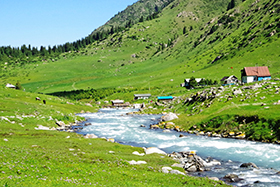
(154, 52)
(133, 13)
(31, 157)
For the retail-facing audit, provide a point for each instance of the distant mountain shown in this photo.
(134, 12)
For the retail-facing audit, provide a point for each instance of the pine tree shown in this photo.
(231, 5)
(192, 82)
(18, 86)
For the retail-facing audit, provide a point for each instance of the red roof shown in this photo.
(257, 71)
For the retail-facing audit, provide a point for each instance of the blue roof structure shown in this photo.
(164, 97)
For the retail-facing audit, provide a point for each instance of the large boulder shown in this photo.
(168, 117)
(249, 165)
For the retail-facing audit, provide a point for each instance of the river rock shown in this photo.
(152, 150)
(177, 172)
(232, 178)
(168, 117)
(154, 127)
(166, 130)
(213, 178)
(192, 162)
(182, 136)
(249, 165)
(169, 125)
(137, 153)
(177, 165)
(111, 140)
(166, 169)
(41, 127)
(90, 136)
(60, 123)
(236, 92)
(87, 124)
(133, 162)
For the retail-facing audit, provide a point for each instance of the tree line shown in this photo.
(29, 51)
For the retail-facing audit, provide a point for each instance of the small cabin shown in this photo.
(142, 96)
(229, 80)
(165, 98)
(10, 86)
(253, 74)
(117, 102)
(120, 103)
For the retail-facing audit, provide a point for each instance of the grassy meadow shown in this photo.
(31, 157)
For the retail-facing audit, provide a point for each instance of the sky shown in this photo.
(53, 22)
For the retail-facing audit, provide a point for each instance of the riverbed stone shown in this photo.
(90, 136)
(154, 126)
(249, 165)
(232, 178)
(177, 165)
(169, 125)
(166, 169)
(111, 140)
(168, 117)
(177, 172)
(87, 124)
(137, 153)
(60, 123)
(133, 162)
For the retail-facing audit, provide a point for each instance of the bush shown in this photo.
(18, 86)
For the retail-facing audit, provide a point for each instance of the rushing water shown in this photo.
(125, 129)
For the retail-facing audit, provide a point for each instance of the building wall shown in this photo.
(263, 78)
(247, 79)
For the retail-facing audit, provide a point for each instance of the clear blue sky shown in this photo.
(53, 22)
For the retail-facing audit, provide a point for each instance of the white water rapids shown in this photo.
(125, 129)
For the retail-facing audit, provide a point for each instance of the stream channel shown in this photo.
(125, 129)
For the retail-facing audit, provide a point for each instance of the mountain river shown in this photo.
(125, 129)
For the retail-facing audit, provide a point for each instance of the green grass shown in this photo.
(243, 40)
(32, 157)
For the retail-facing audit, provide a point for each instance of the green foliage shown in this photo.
(192, 82)
(18, 86)
(231, 5)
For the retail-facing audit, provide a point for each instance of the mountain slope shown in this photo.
(142, 8)
(184, 41)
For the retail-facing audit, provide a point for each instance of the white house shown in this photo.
(10, 86)
(253, 74)
(142, 96)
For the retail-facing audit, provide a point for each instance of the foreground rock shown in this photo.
(168, 117)
(193, 163)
